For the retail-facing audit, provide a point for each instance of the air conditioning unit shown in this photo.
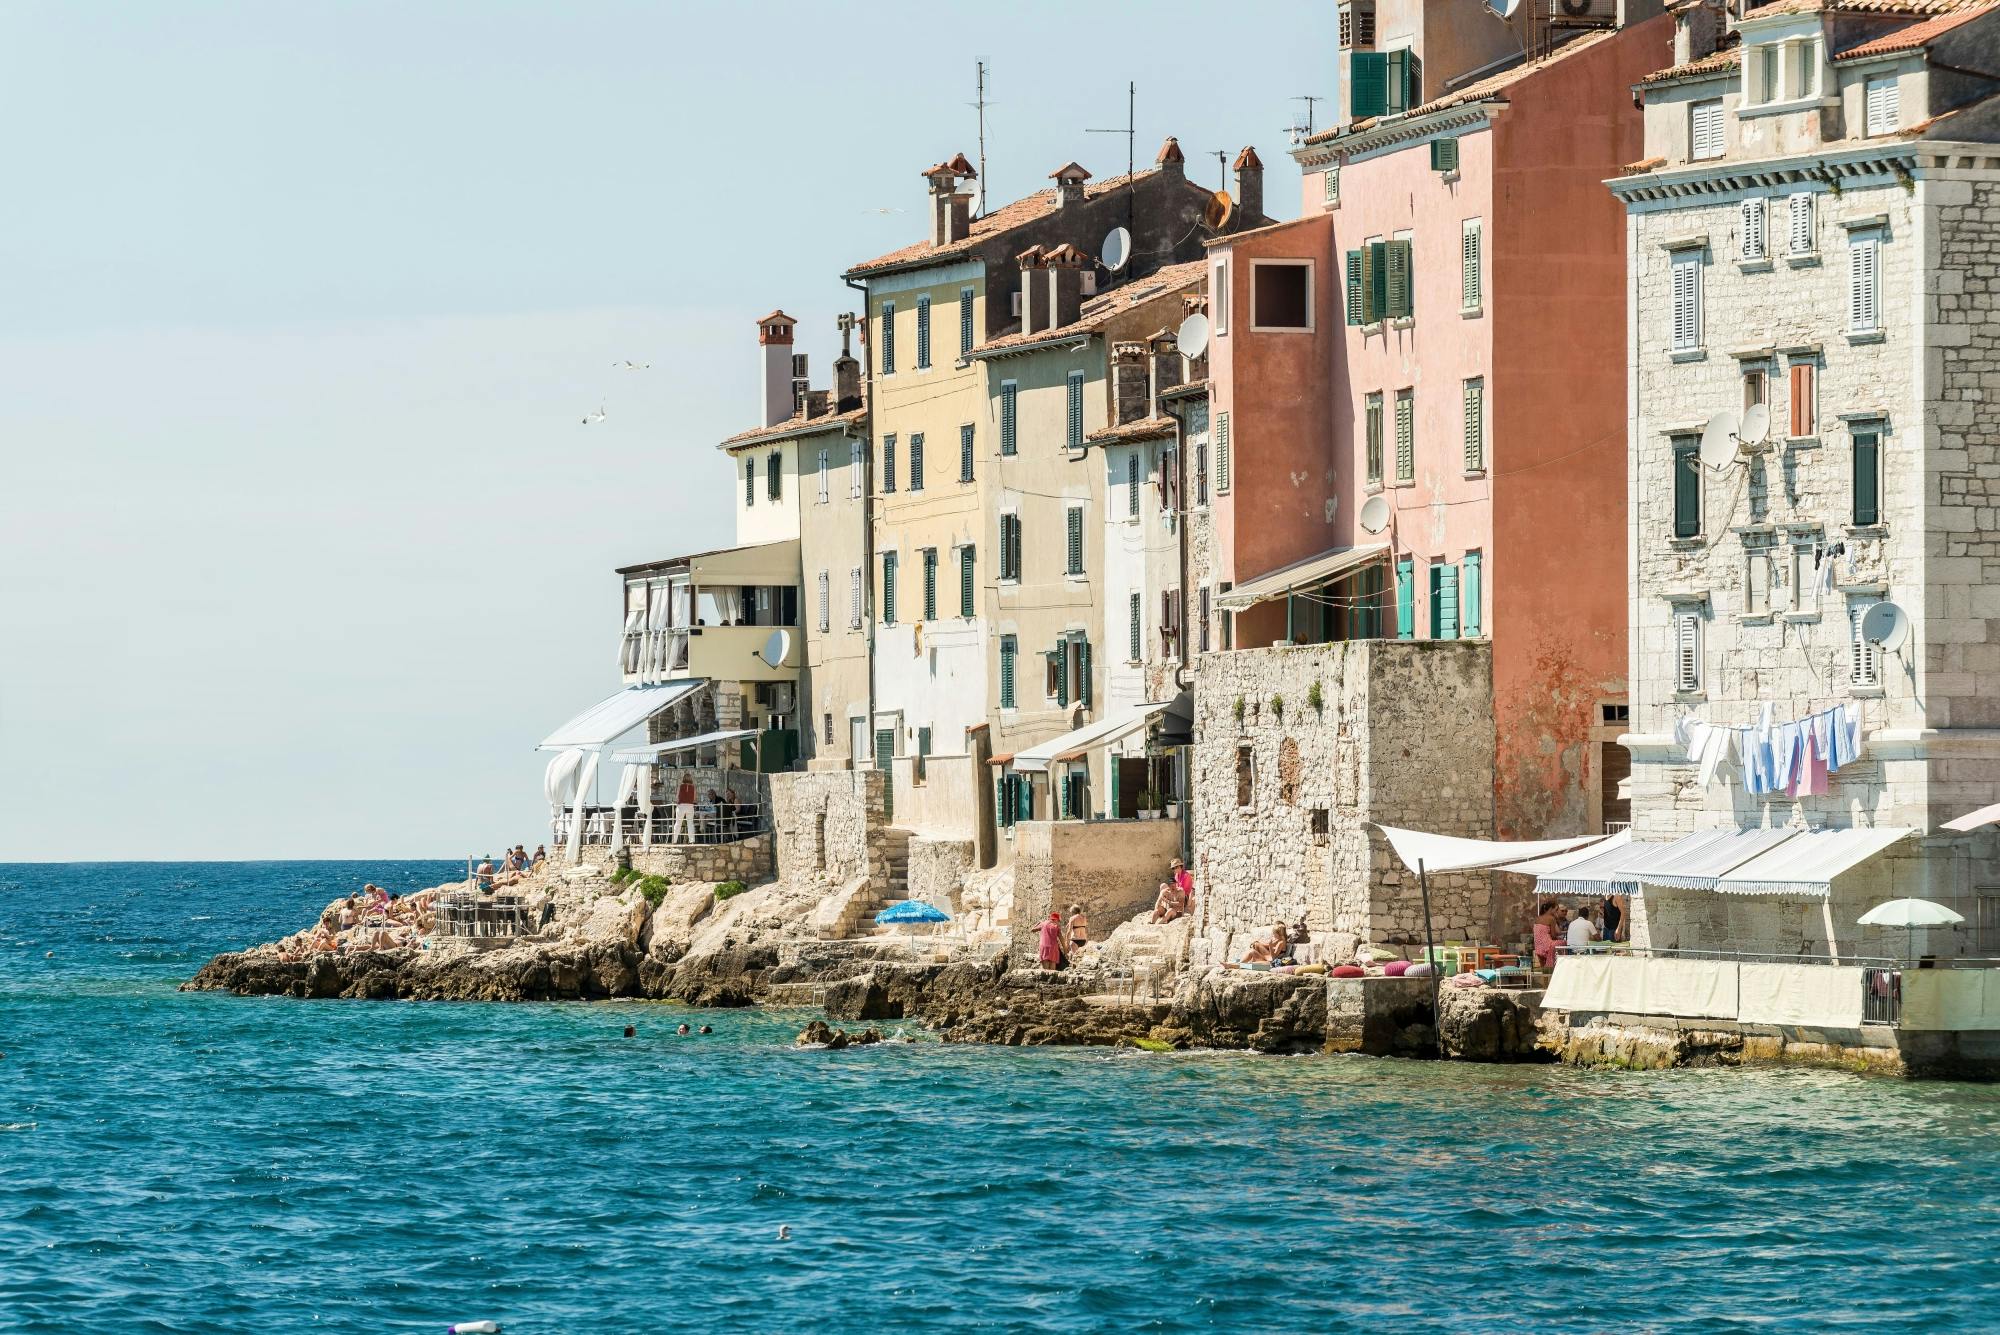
(1592, 13)
(781, 697)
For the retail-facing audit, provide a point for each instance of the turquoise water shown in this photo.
(174, 1162)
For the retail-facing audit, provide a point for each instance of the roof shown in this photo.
(1480, 91)
(1146, 428)
(1105, 306)
(1915, 36)
(1002, 220)
(777, 315)
(1805, 867)
(1886, 8)
(1715, 62)
(795, 426)
(1307, 574)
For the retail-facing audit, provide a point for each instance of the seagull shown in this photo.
(882, 210)
(629, 365)
(597, 416)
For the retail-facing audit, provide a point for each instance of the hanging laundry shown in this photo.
(1810, 780)
(1784, 755)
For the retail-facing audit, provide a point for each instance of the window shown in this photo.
(1074, 409)
(1319, 825)
(1170, 479)
(1758, 571)
(825, 473)
(854, 598)
(1357, 24)
(774, 474)
(749, 481)
(1867, 475)
(1280, 295)
(1406, 442)
(1134, 480)
(1222, 451)
(1687, 300)
(888, 588)
(917, 461)
(1170, 620)
(1010, 546)
(1399, 301)
(930, 584)
(1864, 657)
(1705, 135)
(888, 338)
(825, 602)
(1444, 600)
(825, 740)
(1756, 384)
(1330, 187)
(1218, 298)
(1754, 244)
(1687, 652)
(1475, 425)
(1803, 594)
(966, 584)
(1201, 472)
(1470, 293)
(1805, 399)
(965, 453)
(1471, 594)
(1202, 603)
(1864, 282)
(965, 322)
(1687, 486)
(1803, 69)
(1008, 391)
(1359, 308)
(1135, 630)
(1884, 101)
(1444, 156)
(1799, 225)
(1228, 621)
(1406, 82)
(1763, 81)
(854, 471)
(923, 333)
(1007, 654)
(1074, 565)
(1384, 83)
(1406, 599)
(1055, 680)
(1374, 417)
(1246, 775)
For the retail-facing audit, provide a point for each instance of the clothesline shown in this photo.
(1793, 757)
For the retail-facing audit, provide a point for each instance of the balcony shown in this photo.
(714, 653)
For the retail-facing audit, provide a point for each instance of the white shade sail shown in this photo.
(1697, 861)
(1444, 852)
(1807, 864)
(656, 750)
(1556, 862)
(611, 718)
(1972, 820)
(1301, 575)
(1101, 733)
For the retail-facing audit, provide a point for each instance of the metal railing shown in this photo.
(708, 823)
(468, 914)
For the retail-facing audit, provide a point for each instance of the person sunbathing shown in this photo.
(1169, 903)
(325, 940)
(1266, 950)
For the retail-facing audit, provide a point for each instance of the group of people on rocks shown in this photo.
(1061, 940)
(517, 865)
(373, 919)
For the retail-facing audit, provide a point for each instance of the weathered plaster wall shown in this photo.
(945, 804)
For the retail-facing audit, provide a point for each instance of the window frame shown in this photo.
(888, 478)
(1688, 665)
(825, 474)
(1073, 542)
(1473, 413)
(1892, 84)
(1073, 406)
(825, 584)
(1374, 411)
(1310, 268)
(1873, 430)
(1406, 436)
(967, 440)
(886, 358)
(930, 563)
(1010, 418)
(1684, 452)
(1471, 266)
(1864, 243)
(915, 480)
(1689, 260)
(923, 331)
(1218, 305)
(1715, 131)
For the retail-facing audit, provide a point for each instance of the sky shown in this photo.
(303, 541)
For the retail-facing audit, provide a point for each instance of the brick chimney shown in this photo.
(1249, 183)
(951, 210)
(1171, 162)
(1129, 381)
(774, 336)
(1066, 265)
(846, 370)
(1034, 291)
(1698, 26)
(1069, 179)
(1166, 363)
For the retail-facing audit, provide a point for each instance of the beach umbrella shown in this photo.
(912, 911)
(1909, 914)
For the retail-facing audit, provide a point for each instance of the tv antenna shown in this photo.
(1309, 100)
(981, 104)
(1222, 165)
(1131, 133)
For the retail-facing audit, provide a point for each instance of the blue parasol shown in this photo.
(912, 910)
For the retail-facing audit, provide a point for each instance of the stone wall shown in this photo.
(1112, 868)
(828, 827)
(1402, 734)
(937, 871)
(746, 860)
(945, 803)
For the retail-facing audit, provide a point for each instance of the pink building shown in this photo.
(1421, 382)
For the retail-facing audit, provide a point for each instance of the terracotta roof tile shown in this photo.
(1481, 91)
(1100, 309)
(1885, 7)
(1247, 158)
(795, 426)
(1170, 152)
(1715, 62)
(1146, 428)
(777, 315)
(1915, 36)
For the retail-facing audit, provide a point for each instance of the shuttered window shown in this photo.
(1444, 155)
(1885, 105)
(1058, 668)
(965, 322)
(1357, 288)
(749, 481)
(1475, 425)
(1007, 653)
(1405, 79)
(1687, 652)
(1406, 599)
(1864, 287)
(1687, 299)
(1470, 593)
(1756, 245)
(888, 464)
(1444, 600)
(1864, 658)
(1805, 399)
(1075, 410)
(854, 598)
(1136, 630)
(1374, 419)
(966, 584)
(1868, 476)
(1134, 481)
(1204, 601)
(1400, 303)
(923, 333)
(1008, 391)
(1367, 83)
(1687, 486)
(825, 471)
(1470, 289)
(888, 338)
(1330, 186)
(1222, 462)
(1074, 549)
(774, 475)
(917, 461)
(825, 602)
(1010, 546)
(888, 588)
(1406, 439)
(1201, 472)
(930, 584)
(1799, 225)
(1705, 134)
(965, 453)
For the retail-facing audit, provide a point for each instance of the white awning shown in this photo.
(652, 751)
(1556, 862)
(1307, 574)
(1602, 873)
(1090, 736)
(611, 718)
(1972, 820)
(1805, 866)
(1445, 852)
(1697, 861)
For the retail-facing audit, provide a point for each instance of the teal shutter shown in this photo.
(1368, 83)
(1003, 809)
(1024, 787)
(1378, 280)
(1356, 306)
(1444, 155)
(1007, 650)
(888, 588)
(1061, 657)
(1136, 631)
(930, 583)
(923, 332)
(1401, 301)
(965, 584)
(1470, 596)
(965, 453)
(1083, 673)
(1867, 477)
(917, 462)
(1406, 599)
(1075, 408)
(1447, 608)
(1007, 396)
(965, 322)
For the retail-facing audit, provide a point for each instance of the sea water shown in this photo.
(191, 1162)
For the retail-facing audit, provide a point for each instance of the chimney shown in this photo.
(1166, 363)
(846, 370)
(1066, 264)
(951, 212)
(1069, 179)
(1171, 162)
(1249, 184)
(1129, 382)
(774, 336)
(1697, 28)
(1034, 291)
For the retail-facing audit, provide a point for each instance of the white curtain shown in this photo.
(628, 643)
(658, 618)
(728, 603)
(628, 785)
(683, 605)
(646, 802)
(584, 781)
(558, 781)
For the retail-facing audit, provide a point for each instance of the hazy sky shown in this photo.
(303, 543)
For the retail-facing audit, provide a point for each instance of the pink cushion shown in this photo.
(1348, 971)
(1395, 968)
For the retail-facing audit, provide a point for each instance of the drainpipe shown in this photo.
(1181, 675)
(868, 514)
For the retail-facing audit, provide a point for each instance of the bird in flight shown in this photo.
(881, 210)
(629, 365)
(597, 416)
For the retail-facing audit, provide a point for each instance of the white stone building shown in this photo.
(1813, 233)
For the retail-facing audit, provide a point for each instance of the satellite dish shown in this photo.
(1887, 625)
(1375, 514)
(1756, 425)
(1117, 250)
(1718, 440)
(1221, 208)
(1193, 337)
(1504, 8)
(776, 649)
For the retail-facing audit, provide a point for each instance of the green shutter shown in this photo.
(1413, 82)
(1083, 672)
(1024, 788)
(1378, 281)
(1007, 395)
(1687, 487)
(1406, 599)
(1075, 516)
(1135, 631)
(1367, 83)
(888, 588)
(1355, 304)
(1867, 477)
(930, 583)
(1003, 806)
(1444, 155)
(1396, 96)
(1469, 597)
(1400, 303)
(1007, 671)
(1061, 656)
(1076, 410)
(965, 586)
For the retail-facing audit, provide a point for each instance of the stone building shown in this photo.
(1812, 284)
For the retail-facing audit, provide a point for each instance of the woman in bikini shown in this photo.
(1079, 929)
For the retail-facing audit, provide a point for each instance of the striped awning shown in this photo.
(1302, 575)
(1699, 860)
(1804, 867)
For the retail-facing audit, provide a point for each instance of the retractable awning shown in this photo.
(1447, 852)
(1697, 861)
(1089, 737)
(1806, 865)
(1302, 575)
(652, 751)
(1602, 873)
(611, 718)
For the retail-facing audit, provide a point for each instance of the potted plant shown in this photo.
(1173, 809)
(1149, 805)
